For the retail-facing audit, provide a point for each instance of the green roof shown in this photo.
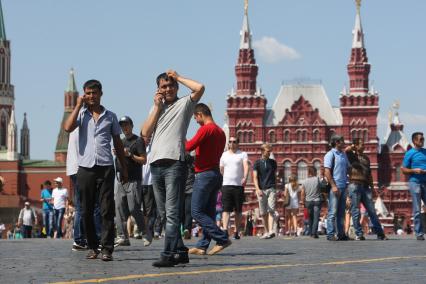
(63, 136)
(2, 28)
(41, 163)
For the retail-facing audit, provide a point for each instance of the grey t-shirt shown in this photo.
(168, 138)
(312, 190)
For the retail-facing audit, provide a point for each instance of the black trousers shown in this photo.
(186, 213)
(97, 187)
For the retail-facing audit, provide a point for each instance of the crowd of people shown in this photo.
(151, 185)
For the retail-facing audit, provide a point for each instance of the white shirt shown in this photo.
(146, 169)
(27, 219)
(59, 196)
(72, 154)
(233, 167)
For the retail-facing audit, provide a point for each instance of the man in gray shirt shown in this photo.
(167, 125)
(311, 198)
(97, 126)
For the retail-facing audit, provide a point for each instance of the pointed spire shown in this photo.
(2, 28)
(358, 34)
(12, 153)
(25, 139)
(245, 34)
(71, 82)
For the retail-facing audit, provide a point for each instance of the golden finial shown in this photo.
(358, 5)
(245, 6)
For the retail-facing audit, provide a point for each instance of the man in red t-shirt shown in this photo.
(209, 143)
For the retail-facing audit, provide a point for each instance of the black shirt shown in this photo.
(136, 146)
(265, 172)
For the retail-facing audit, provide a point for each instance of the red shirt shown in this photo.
(209, 143)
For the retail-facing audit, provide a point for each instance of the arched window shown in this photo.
(299, 136)
(315, 136)
(3, 129)
(304, 136)
(286, 136)
(317, 166)
(245, 137)
(272, 138)
(240, 136)
(354, 134)
(397, 172)
(250, 137)
(287, 171)
(365, 136)
(302, 171)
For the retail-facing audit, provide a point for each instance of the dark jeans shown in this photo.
(48, 216)
(97, 187)
(27, 231)
(186, 214)
(79, 233)
(169, 182)
(362, 194)
(314, 210)
(59, 216)
(204, 197)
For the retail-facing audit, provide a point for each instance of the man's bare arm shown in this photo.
(196, 88)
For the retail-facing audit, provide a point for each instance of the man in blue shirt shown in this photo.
(95, 176)
(336, 172)
(46, 198)
(414, 165)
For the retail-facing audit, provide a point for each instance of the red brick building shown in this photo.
(23, 176)
(302, 119)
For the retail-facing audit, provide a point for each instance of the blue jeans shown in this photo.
(362, 194)
(336, 213)
(169, 182)
(203, 207)
(48, 221)
(59, 215)
(79, 234)
(314, 209)
(418, 193)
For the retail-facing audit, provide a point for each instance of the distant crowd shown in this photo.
(159, 184)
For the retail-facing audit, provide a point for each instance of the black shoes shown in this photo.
(332, 239)
(421, 238)
(382, 237)
(236, 236)
(170, 261)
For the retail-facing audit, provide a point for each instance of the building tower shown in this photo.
(12, 149)
(7, 97)
(246, 106)
(360, 106)
(25, 139)
(70, 100)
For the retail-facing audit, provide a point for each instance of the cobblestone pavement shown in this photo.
(249, 260)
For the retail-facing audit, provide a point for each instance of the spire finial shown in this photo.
(246, 7)
(358, 6)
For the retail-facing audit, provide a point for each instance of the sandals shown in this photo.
(93, 254)
(106, 256)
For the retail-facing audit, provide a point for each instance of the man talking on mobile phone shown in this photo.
(95, 176)
(166, 125)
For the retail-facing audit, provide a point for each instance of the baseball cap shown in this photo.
(335, 138)
(58, 179)
(125, 119)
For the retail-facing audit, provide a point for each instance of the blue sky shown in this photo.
(125, 44)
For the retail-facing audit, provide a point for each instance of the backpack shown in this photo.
(325, 185)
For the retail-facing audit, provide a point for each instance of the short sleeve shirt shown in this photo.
(415, 159)
(265, 172)
(168, 138)
(60, 196)
(95, 138)
(340, 168)
(46, 194)
(137, 147)
(233, 167)
(146, 169)
(72, 153)
(312, 190)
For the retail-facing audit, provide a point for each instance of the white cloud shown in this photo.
(272, 51)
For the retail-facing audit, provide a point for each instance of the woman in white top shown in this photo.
(292, 189)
